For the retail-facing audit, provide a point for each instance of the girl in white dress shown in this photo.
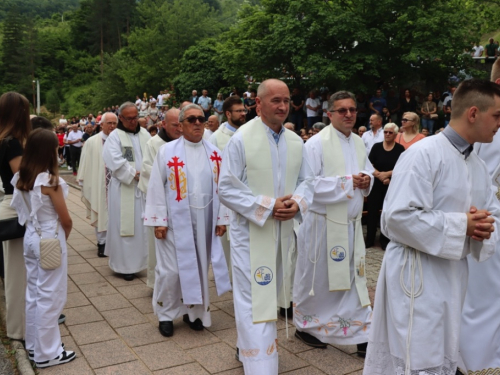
(39, 199)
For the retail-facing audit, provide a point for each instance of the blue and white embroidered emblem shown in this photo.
(337, 253)
(263, 275)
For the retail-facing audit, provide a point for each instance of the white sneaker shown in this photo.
(31, 353)
(69, 168)
(64, 357)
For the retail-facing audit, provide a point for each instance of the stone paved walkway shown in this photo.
(111, 326)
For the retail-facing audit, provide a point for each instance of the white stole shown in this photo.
(178, 201)
(337, 223)
(262, 239)
(223, 135)
(127, 192)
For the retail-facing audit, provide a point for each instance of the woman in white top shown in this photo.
(39, 199)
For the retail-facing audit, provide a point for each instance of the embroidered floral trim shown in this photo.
(302, 203)
(259, 213)
(249, 352)
(271, 348)
(266, 201)
(489, 371)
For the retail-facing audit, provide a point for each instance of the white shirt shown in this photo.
(63, 122)
(369, 139)
(477, 50)
(313, 103)
(159, 100)
(73, 136)
(138, 103)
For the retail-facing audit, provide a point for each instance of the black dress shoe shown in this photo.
(362, 349)
(129, 276)
(166, 328)
(286, 312)
(197, 325)
(100, 250)
(310, 340)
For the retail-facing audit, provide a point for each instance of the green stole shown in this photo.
(127, 191)
(263, 239)
(337, 224)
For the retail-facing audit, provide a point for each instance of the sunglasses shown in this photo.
(343, 111)
(388, 132)
(193, 119)
(405, 120)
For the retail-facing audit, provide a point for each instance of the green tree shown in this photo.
(52, 101)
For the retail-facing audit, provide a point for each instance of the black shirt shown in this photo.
(384, 161)
(297, 100)
(14, 150)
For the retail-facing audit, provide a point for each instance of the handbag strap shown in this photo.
(39, 230)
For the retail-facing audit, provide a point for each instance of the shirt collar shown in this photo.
(464, 147)
(275, 135)
(233, 129)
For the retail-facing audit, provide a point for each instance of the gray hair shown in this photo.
(106, 114)
(392, 126)
(290, 124)
(340, 95)
(187, 108)
(124, 106)
(319, 125)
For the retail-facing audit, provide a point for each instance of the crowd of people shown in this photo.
(269, 189)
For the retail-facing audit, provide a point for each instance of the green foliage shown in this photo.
(199, 71)
(37, 8)
(52, 101)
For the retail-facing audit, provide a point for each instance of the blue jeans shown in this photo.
(312, 120)
(298, 119)
(428, 124)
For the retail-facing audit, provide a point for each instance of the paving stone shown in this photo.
(92, 332)
(144, 304)
(88, 252)
(98, 262)
(76, 299)
(79, 366)
(292, 344)
(288, 361)
(105, 270)
(173, 355)
(132, 368)
(221, 320)
(141, 334)
(110, 302)
(87, 278)
(76, 259)
(118, 280)
(80, 315)
(229, 336)
(69, 344)
(306, 371)
(236, 371)
(107, 353)
(226, 306)
(215, 358)
(215, 298)
(124, 317)
(74, 269)
(63, 330)
(187, 338)
(98, 289)
(135, 291)
(332, 361)
(189, 369)
(72, 286)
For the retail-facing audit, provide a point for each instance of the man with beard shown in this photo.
(170, 130)
(122, 154)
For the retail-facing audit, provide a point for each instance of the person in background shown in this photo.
(361, 131)
(296, 109)
(319, 126)
(383, 157)
(251, 105)
(429, 110)
(153, 130)
(425, 132)
(407, 102)
(324, 108)
(15, 126)
(74, 140)
(313, 105)
(39, 199)
(410, 124)
(218, 103)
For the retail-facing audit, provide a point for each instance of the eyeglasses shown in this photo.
(406, 120)
(240, 111)
(388, 132)
(193, 119)
(130, 119)
(343, 111)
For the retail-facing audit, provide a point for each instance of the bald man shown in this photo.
(266, 181)
(170, 130)
(212, 126)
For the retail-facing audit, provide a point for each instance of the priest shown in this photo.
(480, 334)
(235, 112)
(182, 205)
(94, 178)
(330, 294)
(439, 209)
(170, 130)
(265, 180)
(126, 238)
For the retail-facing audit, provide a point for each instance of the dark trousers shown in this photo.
(374, 205)
(298, 119)
(75, 152)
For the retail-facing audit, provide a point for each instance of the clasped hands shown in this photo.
(285, 208)
(479, 224)
(360, 181)
(161, 232)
